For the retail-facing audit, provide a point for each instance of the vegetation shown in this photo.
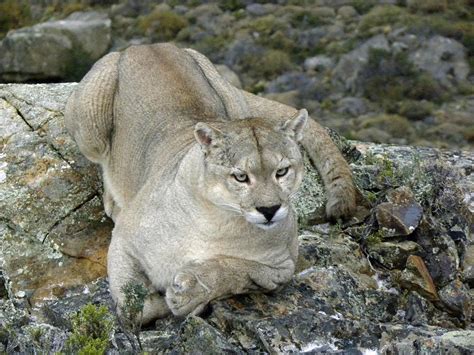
(14, 14)
(162, 25)
(132, 311)
(91, 330)
(391, 78)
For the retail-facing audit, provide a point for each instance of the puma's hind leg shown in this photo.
(89, 110)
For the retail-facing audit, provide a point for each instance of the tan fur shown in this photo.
(172, 138)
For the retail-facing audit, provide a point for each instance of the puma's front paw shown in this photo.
(273, 278)
(341, 202)
(188, 294)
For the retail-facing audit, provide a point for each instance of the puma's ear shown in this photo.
(204, 134)
(295, 125)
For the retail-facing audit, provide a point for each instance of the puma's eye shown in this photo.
(281, 172)
(241, 177)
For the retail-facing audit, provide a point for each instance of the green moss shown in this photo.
(91, 329)
(162, 25)
(14, 14)
(374, 238)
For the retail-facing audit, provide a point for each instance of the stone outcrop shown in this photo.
(358, 286)
(61, 50)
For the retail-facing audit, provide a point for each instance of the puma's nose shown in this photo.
(268, 212)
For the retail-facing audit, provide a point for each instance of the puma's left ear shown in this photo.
(296, 124)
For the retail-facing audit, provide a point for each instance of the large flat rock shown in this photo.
(354, 290)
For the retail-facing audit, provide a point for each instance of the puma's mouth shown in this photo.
(266, 225)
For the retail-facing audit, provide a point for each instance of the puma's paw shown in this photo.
(341, 204)
(188, 294)
(272, 278)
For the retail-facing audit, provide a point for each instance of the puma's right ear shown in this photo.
(295, 125)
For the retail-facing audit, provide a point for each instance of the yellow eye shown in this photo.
(241, 177)
(282, 172)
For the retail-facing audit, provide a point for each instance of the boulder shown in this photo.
(351, 65)
(444, 58)
(339, 301)
(62, 50)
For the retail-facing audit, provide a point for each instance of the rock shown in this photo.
(347, 12)
(59, 312)
(416, 277)
(318, 63)
(456, 296)
(401, 215)
(229, 75)
(308, 87)
(290, 98)
(351, 65)
(196, 335)
(352, 106)
(311, 38)
(52, 254)
(444, 58)
(256, 9)
(468, 265)
(441, 258)
(55, 50)
(393, 255)
(334, 3)
(458, 342)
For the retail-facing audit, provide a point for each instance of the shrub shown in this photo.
(14, 14)
(390, 78)
(381, 16)
(427, 6)
(273, 62)
(162, 25)
(91, 328)
(414, 110)
(396, 126)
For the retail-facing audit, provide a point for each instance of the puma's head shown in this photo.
(252, 167)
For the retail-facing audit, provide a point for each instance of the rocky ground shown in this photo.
(397, 279)
(387, 71)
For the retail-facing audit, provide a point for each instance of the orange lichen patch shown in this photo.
(55, 280)
(234, 303)
(417, 277)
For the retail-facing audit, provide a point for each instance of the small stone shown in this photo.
(393, 255)
(416, 277)
(257, 9)
(401, 215)
(456, 296)
(20, 294)
(319, 62)
(353, 106)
